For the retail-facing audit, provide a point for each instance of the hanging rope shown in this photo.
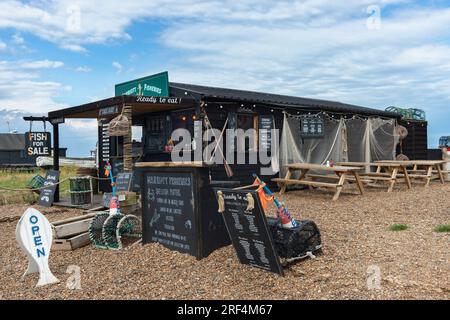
(36, 189)
(49, 185)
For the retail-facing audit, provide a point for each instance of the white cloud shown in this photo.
(22, 89)
(2, 45)
(116, 65)
(83, 69)
(17, 39)
(42, 64)
(72, 25)
(88, 126)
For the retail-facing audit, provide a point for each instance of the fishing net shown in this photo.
(294, 148)
(355, 140)
(295, 243)
(119, 126)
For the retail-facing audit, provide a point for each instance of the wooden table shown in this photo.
(385, 172)
(342, 172)
(425, 175)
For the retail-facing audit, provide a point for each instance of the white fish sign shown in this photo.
(35, 236)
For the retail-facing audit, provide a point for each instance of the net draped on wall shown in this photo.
(355, 139)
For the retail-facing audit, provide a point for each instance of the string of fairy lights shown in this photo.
(304, 112)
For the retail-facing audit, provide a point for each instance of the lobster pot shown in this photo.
(36, 182)
(96, 230)
(295, 242)
(90, 172)
(80, 190)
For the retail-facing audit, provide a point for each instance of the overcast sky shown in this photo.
(55, 54)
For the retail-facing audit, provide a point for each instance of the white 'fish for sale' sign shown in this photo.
(35, 236)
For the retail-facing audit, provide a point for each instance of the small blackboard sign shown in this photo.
(168, 211)
(108, 111)
(312, 126)
(48, 192)
(266, 124)
(249, 231)
(123, 181)
(232, 125)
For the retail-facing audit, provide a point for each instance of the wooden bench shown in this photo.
(335, 177)
(342, 175)
(385, 172)
(426, 175)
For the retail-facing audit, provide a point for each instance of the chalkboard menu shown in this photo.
(48, 192)
(266, 124)
(232, 125)
(312, 126)
(123, 181)
(249, 232)
(168, 212)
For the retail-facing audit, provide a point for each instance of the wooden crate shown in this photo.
(73, 226)
(71, 243)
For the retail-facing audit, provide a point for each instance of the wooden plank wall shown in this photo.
(415, 146)
(242, 173)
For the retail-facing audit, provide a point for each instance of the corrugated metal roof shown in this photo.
(12, 141)
(277, 99)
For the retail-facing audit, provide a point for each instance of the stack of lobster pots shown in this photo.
(89, 172)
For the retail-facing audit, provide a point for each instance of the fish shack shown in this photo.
(179, 208)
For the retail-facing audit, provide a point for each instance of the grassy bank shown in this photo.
(19, 180)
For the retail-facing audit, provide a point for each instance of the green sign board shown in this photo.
(156, 85)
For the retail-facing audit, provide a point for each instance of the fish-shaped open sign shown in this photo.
(35, 236)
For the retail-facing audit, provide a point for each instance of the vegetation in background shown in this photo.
(19, 180)
(398, 227)
(442, 228)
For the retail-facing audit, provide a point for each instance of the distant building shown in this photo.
(12, 150)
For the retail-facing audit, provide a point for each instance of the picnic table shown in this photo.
(425, 174)
(343, 174)
(389, 172)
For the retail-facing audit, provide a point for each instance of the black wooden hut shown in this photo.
(182, 104)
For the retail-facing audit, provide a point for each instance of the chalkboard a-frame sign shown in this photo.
(47, 194)
(249, 231)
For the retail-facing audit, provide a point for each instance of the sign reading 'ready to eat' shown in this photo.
(38, 143)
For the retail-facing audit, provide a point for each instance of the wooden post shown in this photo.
(56, 156)
(127, 142)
